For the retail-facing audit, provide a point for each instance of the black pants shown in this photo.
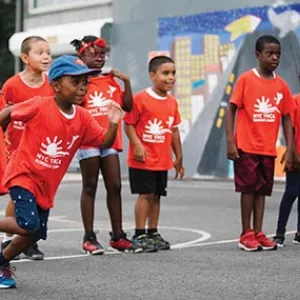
(291, 193)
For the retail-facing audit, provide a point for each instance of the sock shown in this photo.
(3, 260)
(139, 232)
(7, 238)
(151, 231)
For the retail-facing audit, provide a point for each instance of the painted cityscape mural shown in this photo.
(204, 46)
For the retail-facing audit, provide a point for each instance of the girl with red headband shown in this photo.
(102, 90)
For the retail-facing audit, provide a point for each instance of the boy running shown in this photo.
(32, 81)
(152, 130)
(55, 127)
(260, 98)
(102, 90)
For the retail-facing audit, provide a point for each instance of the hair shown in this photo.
(26, 44)
(157, 61)
(86, 39)
(265, 39)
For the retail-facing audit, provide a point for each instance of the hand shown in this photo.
(114, 112)
(232, 152)
(139, 153)
(179, 169)
(118, 74)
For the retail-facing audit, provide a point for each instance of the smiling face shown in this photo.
(269, 57)
(38, 58)
(71, 89)
(164, 78)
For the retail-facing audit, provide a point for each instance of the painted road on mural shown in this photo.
(201, 220)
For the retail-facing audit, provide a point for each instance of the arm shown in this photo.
(177, 149)
(127, 96)
(110, 135)
(139, 150)
(5, 117)
(290, 155)
(232, 152)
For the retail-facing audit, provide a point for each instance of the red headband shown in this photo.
(98, 42)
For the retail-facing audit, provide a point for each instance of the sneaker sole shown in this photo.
(296, 242)
(5, 287)
(243, 247)
(96, 252)
(270, 248)
(280, 245)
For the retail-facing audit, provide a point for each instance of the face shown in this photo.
(269, 57)
(39, 56)
(71, 89)
(164, 77)
(94, 57)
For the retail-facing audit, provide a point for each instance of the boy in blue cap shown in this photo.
(55, 127)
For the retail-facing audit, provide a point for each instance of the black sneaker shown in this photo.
(33, 253)
(143, 243)
(161, 243)
(296, 239)
(4, 245)
(279, 240)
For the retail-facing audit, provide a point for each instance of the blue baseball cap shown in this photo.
(68, 65)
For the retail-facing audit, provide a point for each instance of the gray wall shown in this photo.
(67, 16)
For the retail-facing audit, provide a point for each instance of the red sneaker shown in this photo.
(91, 246)
(248, 242)
(266, 243)
(122, 245)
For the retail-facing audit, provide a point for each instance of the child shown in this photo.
(260, 99)
(292, 187)
(35, 54)
(35, 171)
(3, 152)
(152, 129)
(102, 90)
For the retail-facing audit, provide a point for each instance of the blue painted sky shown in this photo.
(211, 23)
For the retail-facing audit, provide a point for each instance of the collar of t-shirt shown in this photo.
(67, 116)
(257, 74)
(151, 93)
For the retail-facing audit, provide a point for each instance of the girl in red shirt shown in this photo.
(102, 90)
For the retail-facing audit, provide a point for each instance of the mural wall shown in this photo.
(212, 47)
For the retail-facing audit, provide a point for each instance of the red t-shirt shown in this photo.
(261, 103)
(47, 146)
(3, 158)
(101, 91)
(16, 91)
(154, 118)
(295, 117)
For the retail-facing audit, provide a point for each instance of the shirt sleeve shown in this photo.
(237, 95)
(2, 101)
(288, 102)
(119, 92)
(8, 93)
(27, 110)
(132, 117)
(177, 119)
(94, 133)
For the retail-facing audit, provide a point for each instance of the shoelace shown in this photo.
(8, 271)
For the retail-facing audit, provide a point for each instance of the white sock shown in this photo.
(6, 238)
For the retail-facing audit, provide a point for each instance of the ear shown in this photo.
(24, 58)
(56, 86)
(152, 76)
(257, 54)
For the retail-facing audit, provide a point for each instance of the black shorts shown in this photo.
(148, 181)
